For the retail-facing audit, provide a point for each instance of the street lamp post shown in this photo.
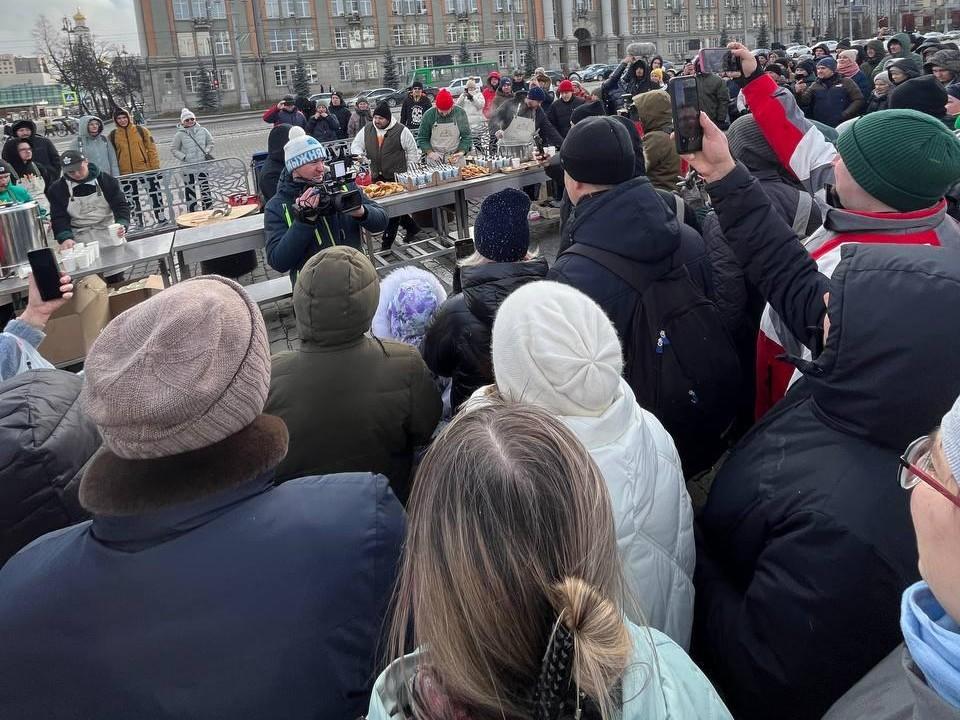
(513, 34)
(244, 98)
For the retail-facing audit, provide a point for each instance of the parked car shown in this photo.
(457, 86)
(795, 51)
(372, 96)
(557, 75)
(321, 98)
(396, 98)
(597, 72)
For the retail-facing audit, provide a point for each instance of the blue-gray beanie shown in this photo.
(827, 62)
(950, 437)
(501, 232)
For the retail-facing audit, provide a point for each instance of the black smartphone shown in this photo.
(46, 273)
(714, 60)
(685, 103)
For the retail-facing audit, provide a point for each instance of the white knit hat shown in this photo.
(302, 149)
(950, 437)
(554, 347)
(185, 114)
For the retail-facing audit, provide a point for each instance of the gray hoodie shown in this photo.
(190, 145)
(98, 150)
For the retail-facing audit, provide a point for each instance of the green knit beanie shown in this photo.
(903, 158)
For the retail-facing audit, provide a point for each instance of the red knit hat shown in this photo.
(444, 100)
(565, 86)
(494, 74)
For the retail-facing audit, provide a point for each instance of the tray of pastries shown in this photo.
(382, 189)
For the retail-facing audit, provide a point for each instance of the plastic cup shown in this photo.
(68, 262)
(113, 231)
(94, 249)
(515, 163)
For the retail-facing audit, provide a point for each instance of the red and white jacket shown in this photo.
(802, 148)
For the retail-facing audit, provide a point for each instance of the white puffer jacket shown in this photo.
(473, 108)
(651, 508)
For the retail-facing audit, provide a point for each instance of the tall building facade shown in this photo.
(343, 42)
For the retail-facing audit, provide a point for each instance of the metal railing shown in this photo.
(158, 197)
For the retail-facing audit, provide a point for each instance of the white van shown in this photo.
(456, 87)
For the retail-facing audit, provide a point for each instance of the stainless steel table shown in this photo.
(194, 245)
(112, 259)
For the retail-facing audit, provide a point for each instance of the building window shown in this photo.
(398, 35)
(284, 40)
(502, 58)
(503, 30)
(340, 38)
(186, 47)
(706, 21)
(521, 31)
(507, 5)
(677, 23)
(221, 43)
(168, 79)
(181, 9)
(474, 32)
(401, 66)
(364, 37)
(306, 40)
(226, 79)
(476, 57)
(359, 71)
(191, 80)
(759, 19)
(424, 36)
(734, 21)
(280, 75)
(199, 8)
(373, 69)
(344, 70)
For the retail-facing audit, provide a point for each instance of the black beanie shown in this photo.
(590, 109)
(925, 94)
(383, 110)
(598, 151)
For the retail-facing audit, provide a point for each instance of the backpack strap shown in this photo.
(802, 217)
(639, 276)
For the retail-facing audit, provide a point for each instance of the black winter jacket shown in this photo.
(806, 541)
(412, 111)
(342, 113)
(45, 154)
(457, 342)
(271, 169)
(560, 112)
(324, 129)
(623, 84)
(45, 442)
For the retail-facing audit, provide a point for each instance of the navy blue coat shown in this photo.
(290, 244)
(253, 602)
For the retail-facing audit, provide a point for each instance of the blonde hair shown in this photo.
(510, 528)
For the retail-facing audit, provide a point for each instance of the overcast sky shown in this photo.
(112, 21)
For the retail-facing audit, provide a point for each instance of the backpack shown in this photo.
(680, 359)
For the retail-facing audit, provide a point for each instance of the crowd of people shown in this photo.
(662, 476)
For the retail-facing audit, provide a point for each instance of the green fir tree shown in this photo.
(797, 34)
(208, 95)
(301, 81)
(763, 37)
(530, 61)
(390, 78)
(724, 37)
(464, 53)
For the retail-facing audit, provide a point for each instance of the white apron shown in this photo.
(90, 217)
(445, 137)
(520, 131)
(35, 185)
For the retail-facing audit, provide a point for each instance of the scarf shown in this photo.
(933, 638)
(848, 69)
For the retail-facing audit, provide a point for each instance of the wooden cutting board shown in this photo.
(209, 217)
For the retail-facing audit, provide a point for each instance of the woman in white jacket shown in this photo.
(471, 100)
(555, 348)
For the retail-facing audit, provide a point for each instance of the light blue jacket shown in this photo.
(661, 683)
(10, 354)
(98, 150)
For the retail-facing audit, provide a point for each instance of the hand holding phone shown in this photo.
(46, 273)
(685, 104)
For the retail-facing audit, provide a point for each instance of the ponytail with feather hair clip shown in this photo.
(556, 671)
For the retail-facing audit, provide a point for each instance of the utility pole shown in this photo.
(244, 99)
(850, 19)
(513, 34)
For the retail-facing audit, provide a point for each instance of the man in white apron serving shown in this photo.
(523, 120)
(85, 202)
(444, 132)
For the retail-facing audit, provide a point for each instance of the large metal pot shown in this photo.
(20, 232)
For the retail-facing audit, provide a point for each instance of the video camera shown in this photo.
(334, 197)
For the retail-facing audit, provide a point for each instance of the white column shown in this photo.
(624, 19)
(606, 17)
(566, 19)
(548, 31)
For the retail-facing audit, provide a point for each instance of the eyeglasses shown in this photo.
(916, 465)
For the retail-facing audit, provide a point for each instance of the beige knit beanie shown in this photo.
(180, 371)
(555, 347)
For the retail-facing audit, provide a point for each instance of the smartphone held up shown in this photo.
(46, 273)
(685, 104)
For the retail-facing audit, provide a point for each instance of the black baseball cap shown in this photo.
(598, 150)
(416, 84)
(72, 160)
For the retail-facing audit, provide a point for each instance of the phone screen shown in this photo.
(339, 169)
(713, 60)
(46, 273)
(685, 103)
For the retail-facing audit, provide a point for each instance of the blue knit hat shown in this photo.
(302, 149)
(950, 437)
(827, 62)
(537, 93)
(501, 232)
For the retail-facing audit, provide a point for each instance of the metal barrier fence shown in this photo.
(158, 197)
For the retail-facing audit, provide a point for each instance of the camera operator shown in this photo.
(302, 218)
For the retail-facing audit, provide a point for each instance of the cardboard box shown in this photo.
(73, 328)
(125, 295)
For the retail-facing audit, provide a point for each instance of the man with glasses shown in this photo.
(805, 543)
(921, 677)
(285, 111)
